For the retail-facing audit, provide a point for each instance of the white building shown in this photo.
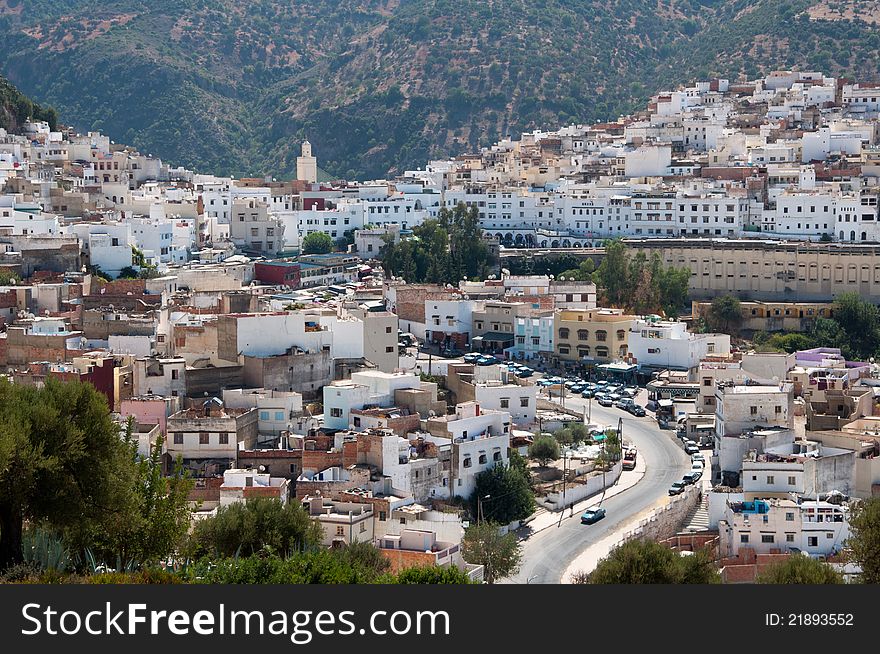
(365, 389)
(669, 345)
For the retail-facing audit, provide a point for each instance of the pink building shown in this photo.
(150, 409)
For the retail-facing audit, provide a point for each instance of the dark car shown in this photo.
(590, 516)
(690, 477)
(637, 410)
(524, 372)
(677, 488)
(587, 394)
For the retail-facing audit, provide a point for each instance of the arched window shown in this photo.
(621, 334)
(601, 335)
(583, 334)
(602, 352)
(563, 332)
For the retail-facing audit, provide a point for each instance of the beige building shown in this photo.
(592, 335)
(494, 325)
(772, 270)
(253, 229)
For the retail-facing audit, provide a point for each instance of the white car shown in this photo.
(698, 457)
(697, 465)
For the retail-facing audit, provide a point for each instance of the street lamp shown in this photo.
(480, 507)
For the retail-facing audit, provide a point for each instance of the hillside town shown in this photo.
(194, 305)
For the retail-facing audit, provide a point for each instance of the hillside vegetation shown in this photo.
(382, 85)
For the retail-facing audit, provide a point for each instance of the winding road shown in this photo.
(548, 553)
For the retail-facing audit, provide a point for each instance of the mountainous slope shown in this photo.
(16, 108)
(382, 85)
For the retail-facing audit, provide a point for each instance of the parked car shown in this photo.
(486, 360)
(524, 372)
(691, 477)
(471, 357)
(691, 449)
(614, 396)
(698, 457)
(604, 400)
(677, 488)
(587, 394)
(637, 410)
(697, 465)
(590, 516)
(624, 403)
(577, 388)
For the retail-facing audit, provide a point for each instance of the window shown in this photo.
(335, 412)
(743, 538)
(563, 332)
(505, 402)
(175, 374)
(264, 415)
(789, 517)
(496, 456)
(388, 329)
(340, 531)
(482, 459)
(203, 438)
(753, 410)
(813, 541)
(789, 538)
(389, 349)
(279, 415)
(583, 334)
(363, 526)
(777, 409)
(178, 439)
(523, 402)
(767, 538)
(791, 480)
(224, 439)
(601, 335)
(770, 479)
(382, 516)
(466, 463)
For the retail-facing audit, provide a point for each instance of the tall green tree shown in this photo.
(317, 243)
(725, 315)
(859, 321)
(863, 544)
(544, 449)
(260, 525)
(500, 555)
(799, 569)
(510, 497)
(642, 561)
(62, 462)
(612, 275)
(159, 515)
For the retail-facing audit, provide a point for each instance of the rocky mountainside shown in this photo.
(382, 85)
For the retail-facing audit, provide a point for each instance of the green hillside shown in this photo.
(382, 85)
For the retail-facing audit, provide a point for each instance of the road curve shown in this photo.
(548, 553)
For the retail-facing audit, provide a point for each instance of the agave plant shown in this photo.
(44, 550)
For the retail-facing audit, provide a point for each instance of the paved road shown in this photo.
(548, 553)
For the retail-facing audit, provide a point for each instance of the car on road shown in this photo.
(587, 394)
(615, 397)
(677, 488)
(604, 400)
(624, 403)
(637, 410)
(697, 465)
(691, 477)
(691, 449)
(577, 388)
(524, 372)
(486, 360)
(471, 357)
(698, 457)
(590, 516)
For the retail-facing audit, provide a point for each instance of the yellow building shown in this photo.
(774, 316)
(593, 334)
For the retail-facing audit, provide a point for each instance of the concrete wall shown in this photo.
(576, 492)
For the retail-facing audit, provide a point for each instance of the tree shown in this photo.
(128, 273)
(799, 569)
(62, 461)
(510, 496)
(317, 243)
(859, 321)
(612, 275)
(258, 525)
(725, 315)
(642, 561)
(864, 540)
(500, 555)
(159, 515)
(431, 575)
(8, 277)
(544, 449)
